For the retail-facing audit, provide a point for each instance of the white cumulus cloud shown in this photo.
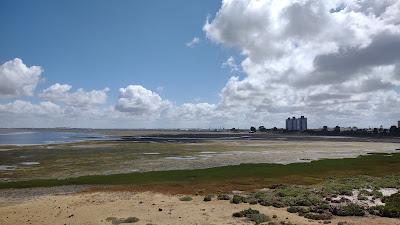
(17, 79)
(139, 101)
(331, 60)
(27, 108)
(83, 99)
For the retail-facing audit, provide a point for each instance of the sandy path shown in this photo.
(94, 208)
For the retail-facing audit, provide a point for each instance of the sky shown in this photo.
(199, 64)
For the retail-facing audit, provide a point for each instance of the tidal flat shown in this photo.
(281, 180)
(60, 161)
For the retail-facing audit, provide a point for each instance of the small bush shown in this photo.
(293, 209)
(377, 194)
(259, 218)
(317, 209)
(385, 211)
(390, 209)
(324, 206)
(278, 204)
(298, 209)
(252, 200)
(207, 198)
(237, 199)
(253, 215)
(186, 198)
(318, 216)
(265, 203)
(297, 196)
(117, 221)
(223, 197)
(245, 213)
(237, 214)
(266, 199)
(348, 210)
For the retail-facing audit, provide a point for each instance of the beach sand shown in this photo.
(93, 208)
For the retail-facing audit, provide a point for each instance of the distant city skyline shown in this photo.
(199, 64)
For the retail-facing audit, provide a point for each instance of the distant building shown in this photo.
(296, 124)
(393, 129)
(337, 129)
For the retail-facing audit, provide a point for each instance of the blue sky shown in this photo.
(94, 44)
(128, 63)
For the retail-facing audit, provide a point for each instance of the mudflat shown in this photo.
(113, 157)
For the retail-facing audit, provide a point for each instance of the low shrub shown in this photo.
(253, 215)
(377, 194)
(318, 216)
(278, 204)
(237, 199)
(251, 200)
(208, 198)
(297, 196)
(259, 218)
(390, 209)
(293, 209)
(348, 210)
(245, 213)
(186, 198)
(117, 221)
(223, 197)
(298, 209)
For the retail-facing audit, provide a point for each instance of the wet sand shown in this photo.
(110, 157)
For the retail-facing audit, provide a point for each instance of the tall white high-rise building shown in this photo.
(296, 124)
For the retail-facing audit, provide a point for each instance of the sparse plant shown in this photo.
(208, 198)
(259, 218)
(237, 199)
(186, 198)
(350, 209)
(318, 216)
(390, 209)
(117, 221)
(223, 197)
(253, 215)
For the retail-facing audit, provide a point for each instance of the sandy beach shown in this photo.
(93, 208)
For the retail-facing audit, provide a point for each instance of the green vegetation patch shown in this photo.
(390, 209)
(297, 196)
(345, 186)
(251, 175)
(350, 209)
(252, 215)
